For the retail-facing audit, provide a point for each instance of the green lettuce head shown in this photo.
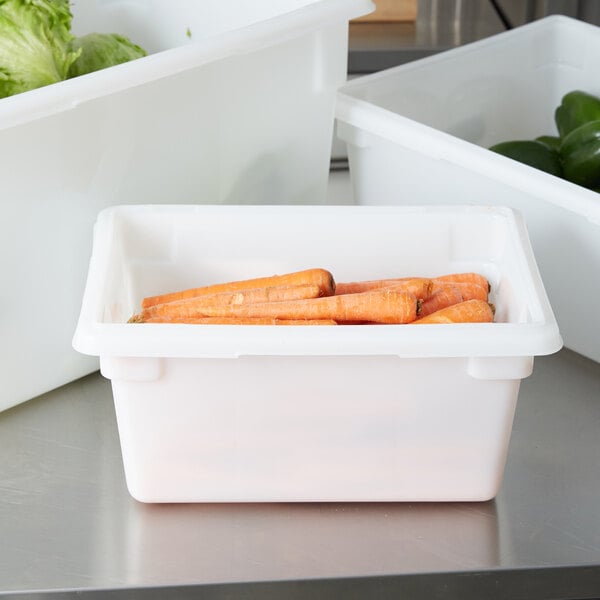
(102, 50)
(35, 44)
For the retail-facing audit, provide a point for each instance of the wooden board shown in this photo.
(388, 11)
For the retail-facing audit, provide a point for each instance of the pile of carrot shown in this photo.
(312, 297)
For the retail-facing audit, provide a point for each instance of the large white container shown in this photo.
(234, 104)
(349, 413)
(419, 133)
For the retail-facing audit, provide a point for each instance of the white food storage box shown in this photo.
(235, 103)
(227, 413)
(419, 133)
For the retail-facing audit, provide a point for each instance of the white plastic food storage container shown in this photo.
(235, 103)
(419, 133)
(312, 413)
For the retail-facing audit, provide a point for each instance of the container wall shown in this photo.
(314, 429)
(154, 251)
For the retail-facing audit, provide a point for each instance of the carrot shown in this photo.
(469, 311)
(379, 306)
(239, 321)
(468, 290)
(194, 307)
(321, 277)
(419, 286)
(443, 297)
(465, 278)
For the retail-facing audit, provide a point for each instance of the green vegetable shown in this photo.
(576, 108)
(37, 47)
(551, 141)
(35, 44)
(102, 50)
(533, 153)
(580, 155)
(573, 155)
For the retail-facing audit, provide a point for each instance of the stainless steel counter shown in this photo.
(69, 527)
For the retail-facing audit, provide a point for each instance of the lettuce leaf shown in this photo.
(35, 44)
(101, 50)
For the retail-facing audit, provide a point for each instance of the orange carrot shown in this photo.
(379, 306)
(468, 290)
(321, 277)
(443, 297)
(239, 321)
(419, 286)
(194, 307)
(465, 278)
(469, 311)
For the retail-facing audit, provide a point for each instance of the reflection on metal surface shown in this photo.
(520, 12)
(62, 500)
(445, 24)
(270, 542)
(440, 25)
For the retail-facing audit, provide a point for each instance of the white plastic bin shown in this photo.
(419, 133)
(235, 103)
(312, 413)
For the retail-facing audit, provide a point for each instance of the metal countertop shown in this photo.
(69, 527)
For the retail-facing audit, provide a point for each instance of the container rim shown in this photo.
(93, 336)
(67, 95)
(355, 117)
